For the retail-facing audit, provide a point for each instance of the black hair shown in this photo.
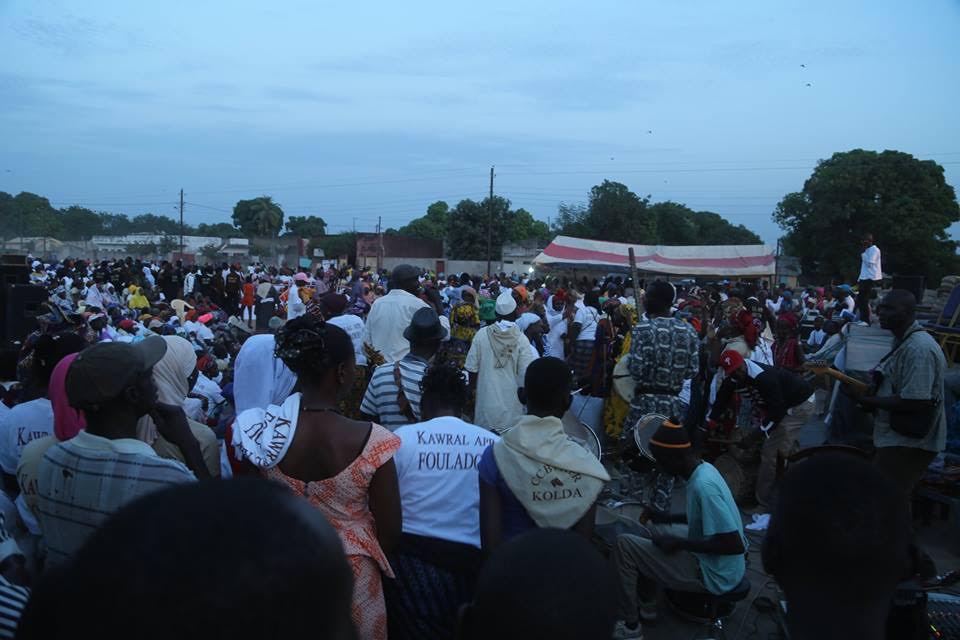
(545, 380)
(852, 544)
(311, 347)
(592, 299)
(51, 349)
(225, 558)
(658, 297)
(546, 583)
(443, 386)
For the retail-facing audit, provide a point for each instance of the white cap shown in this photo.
(505, 303)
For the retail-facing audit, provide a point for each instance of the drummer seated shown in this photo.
(535, 476)
(702, 552)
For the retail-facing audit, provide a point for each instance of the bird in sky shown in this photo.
(804, 66)
(809, 85)
(649, 130)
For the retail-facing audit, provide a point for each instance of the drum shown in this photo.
(643, 431)
(623, 383)
(740, 478)
(582, 434)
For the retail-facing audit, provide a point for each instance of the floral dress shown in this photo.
(343, 500)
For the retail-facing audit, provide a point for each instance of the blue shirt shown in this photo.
(711, 510)
(516, 520)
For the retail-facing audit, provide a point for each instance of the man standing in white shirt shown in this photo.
(497, 362)
(391, 315)
(871, 275)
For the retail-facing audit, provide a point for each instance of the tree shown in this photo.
(677, 224)
(115, 224)
(218, 230)
(152, 223)
(904, 202)
(343, 244)
(9, 220)
(307, 226)
(431, 226)
(140, 249)
(260, 217)
(613, 213)
(522, 226)
(80, 223)
(467, 228)
(210, 252)
(35, 215)
(168, 244)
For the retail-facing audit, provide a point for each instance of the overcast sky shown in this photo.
(354, 110)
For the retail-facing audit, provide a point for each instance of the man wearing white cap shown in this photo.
(497, 362)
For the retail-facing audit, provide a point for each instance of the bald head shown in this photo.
(897, 311)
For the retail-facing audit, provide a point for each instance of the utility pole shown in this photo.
(181, 224)
(379, 245)
(489, 222)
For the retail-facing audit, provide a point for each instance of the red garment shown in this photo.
(786, 354)
(744, 321)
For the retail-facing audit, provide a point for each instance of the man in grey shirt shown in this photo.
(911, 388)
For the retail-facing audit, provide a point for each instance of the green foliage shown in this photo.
(468, 226)
(260, 217)
(522, 226)
(616, 214)
(307, 226)
(218, 230)
(677, 224)
(432, 226)
(904, 202)
(343, 244)
(80, 223)
(140, 249)
(210, 251)
(167, 245)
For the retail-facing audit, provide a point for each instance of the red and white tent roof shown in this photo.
(749, 260)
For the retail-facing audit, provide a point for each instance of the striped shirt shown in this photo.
(83, 481)
(380, 399)
(13, 599)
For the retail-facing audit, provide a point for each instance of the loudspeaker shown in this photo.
(22, 305)
(913, 284)
(14, 274)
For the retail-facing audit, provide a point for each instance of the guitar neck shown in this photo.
(842, 377)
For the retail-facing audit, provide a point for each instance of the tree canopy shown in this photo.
(307, 226)
(904, 202)
(258, 217)
(615, 213)
(432, 225)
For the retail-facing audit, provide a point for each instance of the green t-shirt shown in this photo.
(488, 310)
(711, 510)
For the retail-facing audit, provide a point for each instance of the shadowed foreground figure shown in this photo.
(238, 558)
(546, 583)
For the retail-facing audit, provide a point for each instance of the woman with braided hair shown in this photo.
(343, 467)
(438, 555)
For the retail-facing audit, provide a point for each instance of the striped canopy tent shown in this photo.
(743, 260)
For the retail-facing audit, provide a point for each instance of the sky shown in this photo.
(358, 111)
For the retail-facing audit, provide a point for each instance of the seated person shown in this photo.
(543, 584)
(535, 476)
(705, 556)
(78, 482)
(279, 574)
(817, 337)
(837, 555)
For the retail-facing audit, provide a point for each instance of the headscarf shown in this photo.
(260, 379)
(170, 377)
(67, 421)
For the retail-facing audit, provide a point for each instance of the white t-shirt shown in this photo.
(553, 344)
(870, 264)
(353, 325)
(437, 472)
(25, 422)
(587, 319)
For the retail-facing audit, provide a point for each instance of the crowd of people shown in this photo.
(421, 417)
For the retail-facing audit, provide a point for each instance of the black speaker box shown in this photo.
(22, 304)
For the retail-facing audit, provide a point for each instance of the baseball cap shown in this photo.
(730, 360)
(505, 303)
(103, 371)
